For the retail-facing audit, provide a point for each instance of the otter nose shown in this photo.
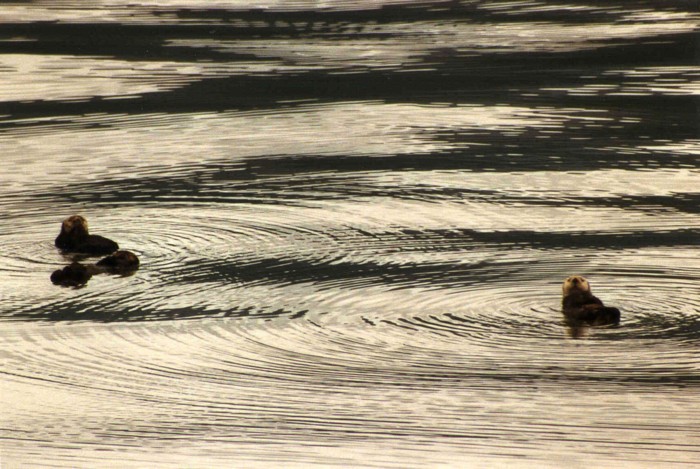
(574, 280)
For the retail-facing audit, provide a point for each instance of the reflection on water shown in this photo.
(353, 221)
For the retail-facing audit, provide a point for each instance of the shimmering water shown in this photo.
(353, 219)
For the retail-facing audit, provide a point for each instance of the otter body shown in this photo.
(73, 275)
(74, 237)
(580, 306)
(77, 274)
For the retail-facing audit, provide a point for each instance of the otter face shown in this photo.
(75, 225)
(576, 282)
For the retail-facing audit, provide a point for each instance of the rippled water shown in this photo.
(353, 219)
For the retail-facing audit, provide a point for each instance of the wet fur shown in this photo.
(121, 262)
(581, 307)
(75, 237)
(78, 275)
(73, 275)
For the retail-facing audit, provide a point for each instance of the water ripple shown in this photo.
(353, 222)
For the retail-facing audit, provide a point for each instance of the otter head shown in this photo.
(576, 283)
(75, 226)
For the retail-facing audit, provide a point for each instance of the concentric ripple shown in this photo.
(353, 222)
(347, 305)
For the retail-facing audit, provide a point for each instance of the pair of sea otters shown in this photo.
(75, 238)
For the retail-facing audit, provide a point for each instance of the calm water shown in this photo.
(353, 219)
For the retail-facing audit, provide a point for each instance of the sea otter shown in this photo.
(74, 237)
(581, 307)
(77, 275)
(73, 275)
(121, 262)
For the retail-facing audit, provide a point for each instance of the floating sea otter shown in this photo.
(581, 307)
(76, 274)
(74, 237)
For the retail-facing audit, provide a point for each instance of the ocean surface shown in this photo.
(354, 219)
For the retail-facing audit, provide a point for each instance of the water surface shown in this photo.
(353, 219)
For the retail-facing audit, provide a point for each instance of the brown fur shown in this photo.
(121, 262)
(78, 275)
(580, 306)
(73, 275)
(75, 237)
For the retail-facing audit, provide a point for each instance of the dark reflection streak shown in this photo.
(278, 271)
(252, 23)
(116, 41)
(337, 186)
(55, 380)
(328, 20)
(298, 315)
(437, 329)
(294, 179)
(454, 317)
(450, 75)
(588, 240)
(99, 313)
(403, 326)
